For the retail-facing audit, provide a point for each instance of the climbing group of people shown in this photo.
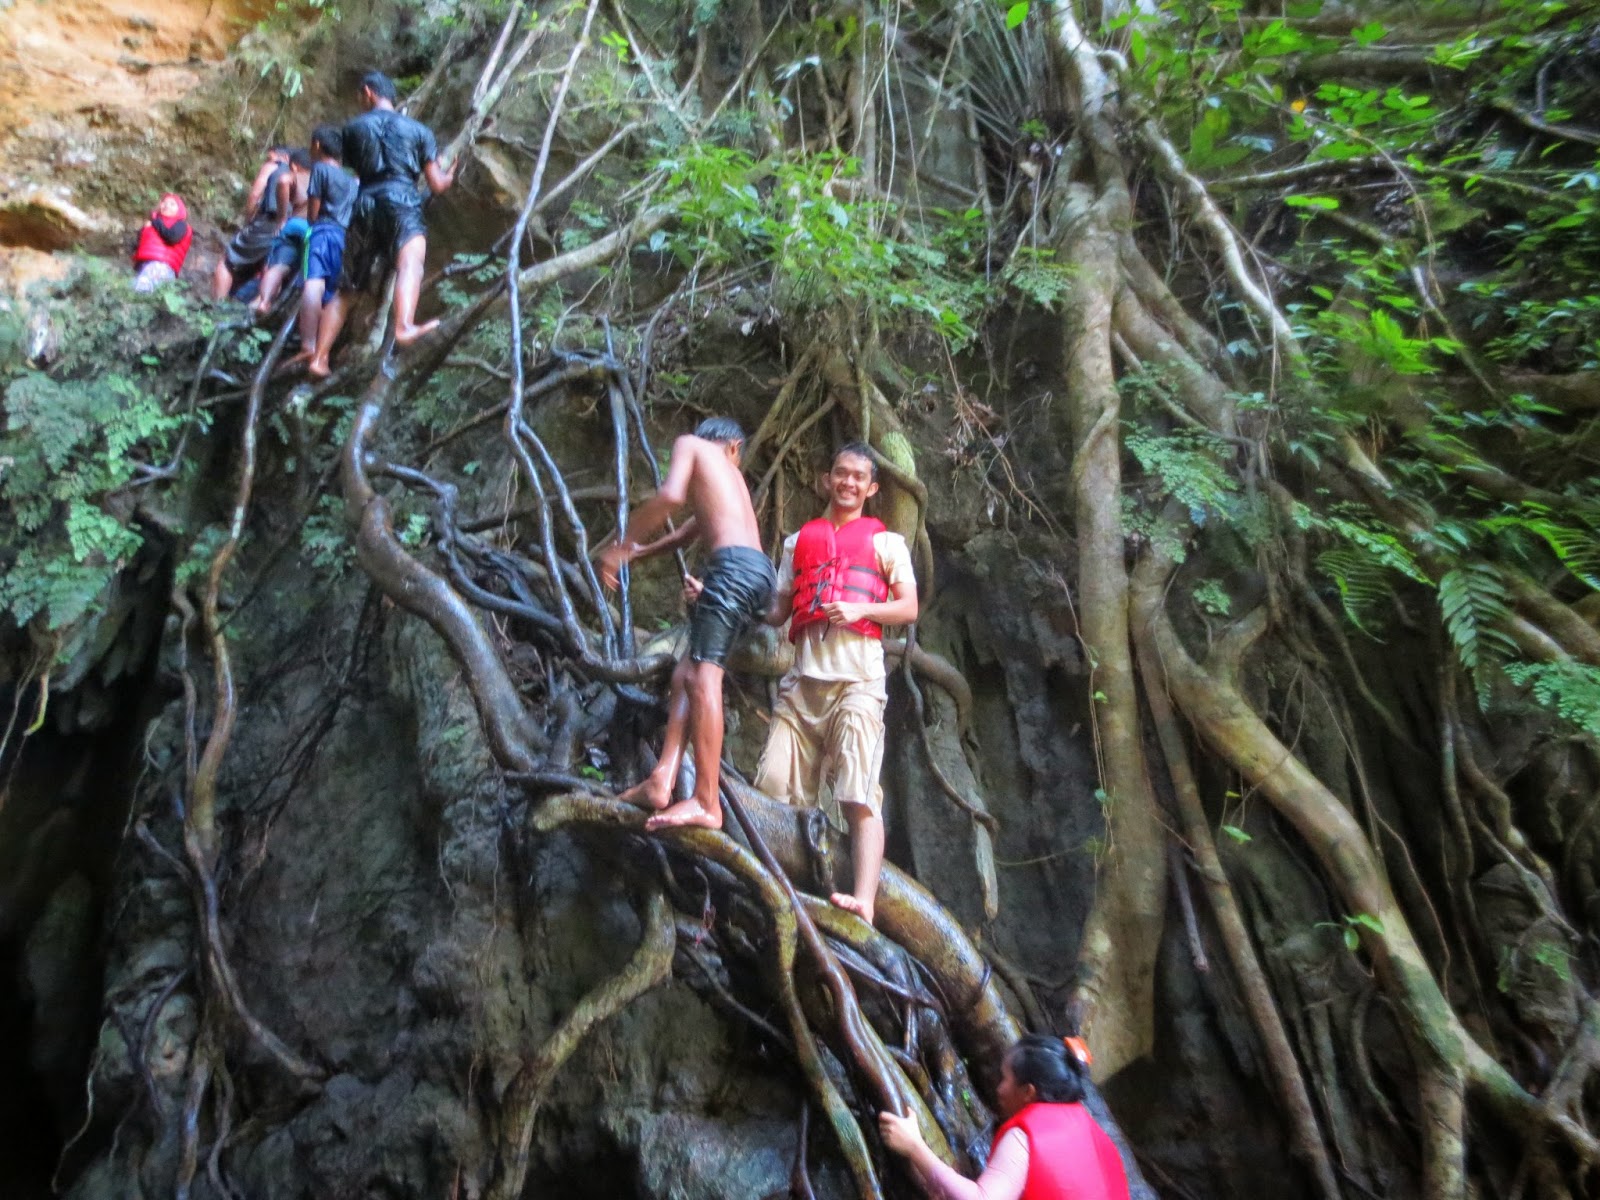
(358, 182)
(841, 578)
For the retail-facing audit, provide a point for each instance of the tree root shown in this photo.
(650, 966)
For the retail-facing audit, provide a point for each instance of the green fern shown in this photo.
(1364, 582)
(1576, 549)
(1568, 689)
(1472, 601)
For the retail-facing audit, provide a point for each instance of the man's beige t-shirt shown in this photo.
(824, 652)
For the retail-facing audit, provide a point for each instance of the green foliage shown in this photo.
(1571, 690)
(1476, 613)
(1192, 467)
(1212, 597)
(66, 446)
(824, 245)
(1037, 276)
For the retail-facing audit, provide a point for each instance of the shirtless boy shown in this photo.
(842, 578)
(737, 589)
(249, 247)
(288, 243)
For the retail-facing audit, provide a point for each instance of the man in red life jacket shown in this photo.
(842, 578)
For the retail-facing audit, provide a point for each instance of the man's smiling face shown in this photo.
(850, 482)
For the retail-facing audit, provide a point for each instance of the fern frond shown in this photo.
(1570, 690)
(1364, 582)
(1472, 601)
(1578, 550)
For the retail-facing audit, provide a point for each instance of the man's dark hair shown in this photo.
(1045, 1062)
(380, 85)
(300, 158)
(329, 140)
(857, 450)
(720, 429)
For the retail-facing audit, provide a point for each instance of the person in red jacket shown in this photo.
(841, 579)
(1049, 1147)
(163, 244)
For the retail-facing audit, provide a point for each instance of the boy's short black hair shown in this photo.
(720, 429)
(301, 158)
(857, 450)
(380, 85)
(283, 150)
(329, 140)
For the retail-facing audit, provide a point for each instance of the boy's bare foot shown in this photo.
(297, 360)
(850, 904)
(650, 792)
(685, 813)
(318, 369)
(412, 333)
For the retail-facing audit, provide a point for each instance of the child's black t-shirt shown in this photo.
(336, 189)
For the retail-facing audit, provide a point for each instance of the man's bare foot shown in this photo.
(650, 792)
(318, 369)
(849, 903)
(412, 333)
(685, 813)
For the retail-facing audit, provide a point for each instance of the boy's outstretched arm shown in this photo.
(675, 540)
(652, 514)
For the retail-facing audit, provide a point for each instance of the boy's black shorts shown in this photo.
(385, 220)
(738, 588)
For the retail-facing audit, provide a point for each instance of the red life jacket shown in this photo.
(1069, 1156)
(836, 564)
(154, 248)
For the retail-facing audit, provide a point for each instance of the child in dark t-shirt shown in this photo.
(332, 195)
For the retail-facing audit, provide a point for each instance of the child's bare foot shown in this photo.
(296, 360)
(688, 812)
(849, 903)
(318, 368)
(650, 792)
(412, 333)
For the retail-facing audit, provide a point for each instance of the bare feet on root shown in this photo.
(850, 904)
(318, 369)
(685, 813)
(413, 333)
(649, 792)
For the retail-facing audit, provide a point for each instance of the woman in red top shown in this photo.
(1049, 1147)
(163, 244)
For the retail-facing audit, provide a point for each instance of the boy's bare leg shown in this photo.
(328, 326)
(408, 290)
(655, 789)
(221, 281)
(866, 852)
(270, 283)
(310, 315)
(704, 808)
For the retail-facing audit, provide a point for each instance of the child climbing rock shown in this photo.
(163, 244)
(288, 247)
(250, 246)
(388, 151)
(332, 196)
(704, 474)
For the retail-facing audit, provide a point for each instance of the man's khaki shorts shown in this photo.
(825, 748)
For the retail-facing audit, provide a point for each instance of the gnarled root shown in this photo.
(650, 966)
